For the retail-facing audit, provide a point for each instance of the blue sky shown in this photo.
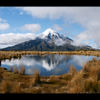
(78, 23)
(16, 20)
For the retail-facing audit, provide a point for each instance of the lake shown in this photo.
(49, 64)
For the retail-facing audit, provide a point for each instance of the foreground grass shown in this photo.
(86, 80)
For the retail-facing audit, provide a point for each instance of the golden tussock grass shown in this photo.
(18, 54)
(22, 70)
(6, 86)
(11, 69)
(87, 80)
(16, 88)
(36, 78)
(16, 71)
(72, 70)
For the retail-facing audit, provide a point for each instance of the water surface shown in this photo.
(52, 64)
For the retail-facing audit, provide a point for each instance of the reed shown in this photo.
(72, 70)
(22, 70)
(87, 80)
(6, 86)
(18, 54)
(36, 78)
(16, 71)
(11, 69)
(16, 88)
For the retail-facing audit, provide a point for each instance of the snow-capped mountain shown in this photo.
(49, 40)
(52, 36)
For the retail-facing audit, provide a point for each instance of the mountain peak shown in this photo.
(49, 31)
(52, 36)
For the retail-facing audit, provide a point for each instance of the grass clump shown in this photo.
(16, 88)
(22, 70)
(72, 70)
(36, 78)
(87, 80)
(16, 71)
(11, 69)
(6, 86)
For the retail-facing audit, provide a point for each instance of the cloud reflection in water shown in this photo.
(48, 64)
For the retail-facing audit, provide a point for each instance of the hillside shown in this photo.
(49, 40)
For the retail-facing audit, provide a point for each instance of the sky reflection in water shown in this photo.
(48, 64)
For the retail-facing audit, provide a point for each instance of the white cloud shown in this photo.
(87, 17)
(31, 27)
(59, 42)
(10, 39)
(57, 27)
(4, 26)
(2, 20)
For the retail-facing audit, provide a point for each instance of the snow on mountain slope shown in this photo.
(52, 36)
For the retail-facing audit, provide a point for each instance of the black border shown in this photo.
(49, 96)
(49, 3)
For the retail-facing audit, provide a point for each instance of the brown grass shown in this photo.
(87, 80)
(36, 78)
(72, 70)
(11, 69)
(1, 76)
(16, 71)
(6, 86)
(16, 88)
(10, 87)
(18, 54)
(22, 70)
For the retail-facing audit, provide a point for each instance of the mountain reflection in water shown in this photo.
(47, 64)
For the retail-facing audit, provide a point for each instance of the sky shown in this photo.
(19, 24)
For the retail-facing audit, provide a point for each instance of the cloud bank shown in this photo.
(11, 39)
(4, 25)
(87, 17)
(57, 27)
(31, 27)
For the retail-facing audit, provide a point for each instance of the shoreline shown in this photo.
(87, 80)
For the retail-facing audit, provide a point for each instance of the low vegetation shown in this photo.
(86, 80)
(17, 54)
